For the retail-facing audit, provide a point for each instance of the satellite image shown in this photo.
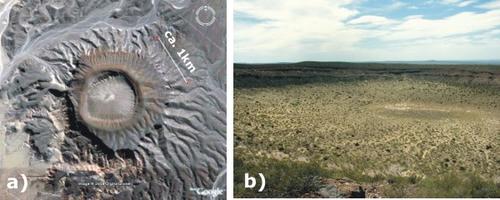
(113, 99)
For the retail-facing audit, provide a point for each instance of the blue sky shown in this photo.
(366, 30)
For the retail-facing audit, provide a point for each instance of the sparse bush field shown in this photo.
(418, 134)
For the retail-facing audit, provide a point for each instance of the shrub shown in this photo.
(284, 178)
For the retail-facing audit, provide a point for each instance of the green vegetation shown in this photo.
(287, 178)
(284, 179)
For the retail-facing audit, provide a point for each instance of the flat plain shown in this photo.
(396, 130)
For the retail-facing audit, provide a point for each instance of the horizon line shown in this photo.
(488, 61)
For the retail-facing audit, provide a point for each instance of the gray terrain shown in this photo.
(97, 102)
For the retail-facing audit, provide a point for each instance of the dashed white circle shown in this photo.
(205, 9)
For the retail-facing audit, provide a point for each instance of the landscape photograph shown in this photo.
(367, 98)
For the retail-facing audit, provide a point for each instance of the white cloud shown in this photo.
(459, 3)
(491, 5)
(462, 23)
(396, 5)
(465, 3)
(292, 28)
(334, 30)
(451, 1)
(372, 20)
